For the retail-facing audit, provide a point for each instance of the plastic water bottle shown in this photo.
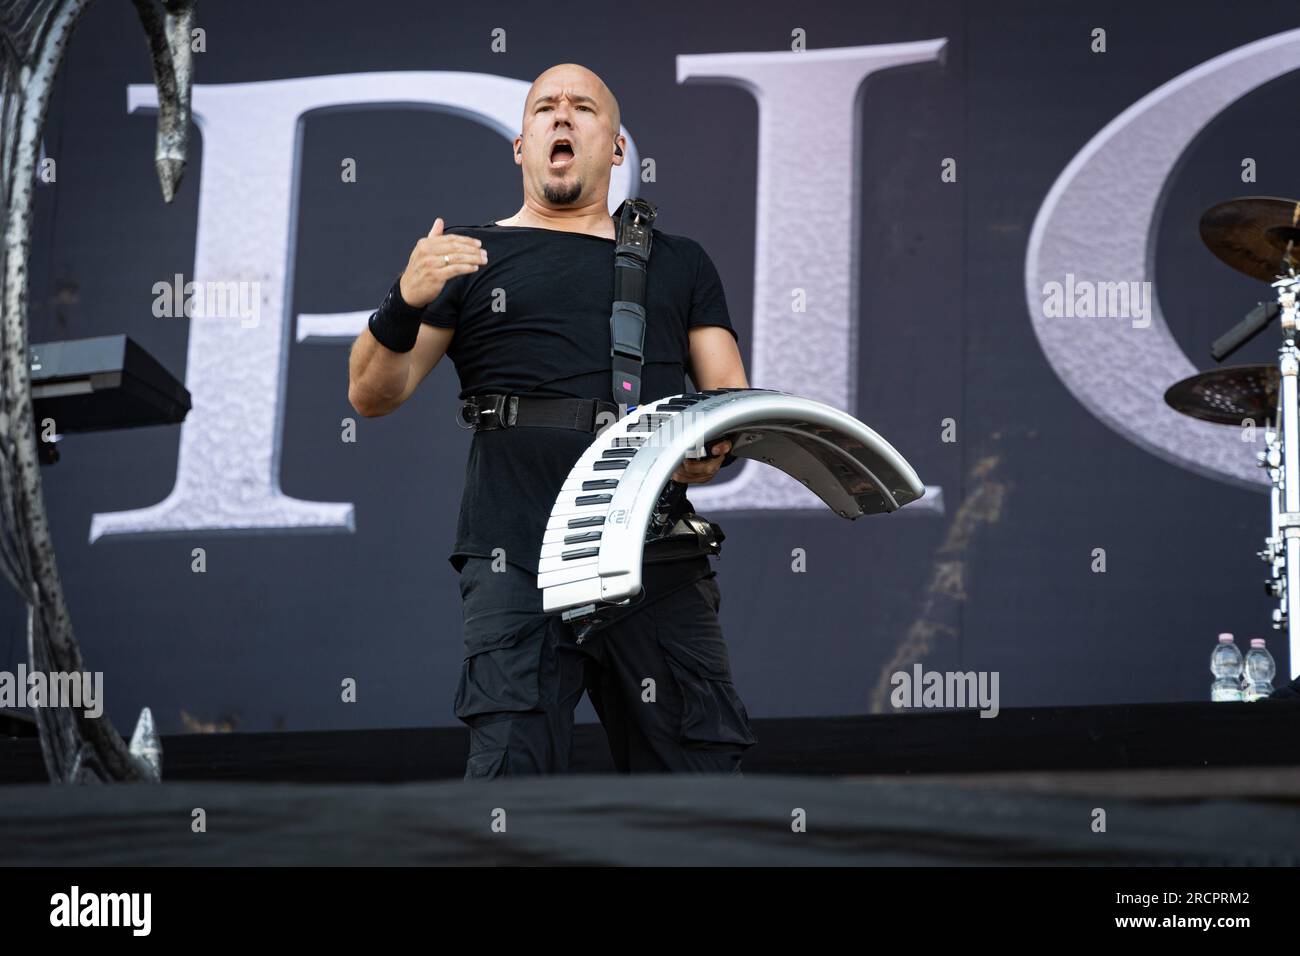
(1225, 663)
(1260, 668)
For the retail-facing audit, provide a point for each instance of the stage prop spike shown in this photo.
(145, 745)
(173, 72)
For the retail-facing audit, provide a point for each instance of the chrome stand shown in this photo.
(1284, 544)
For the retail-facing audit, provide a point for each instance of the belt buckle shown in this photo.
(473, 415)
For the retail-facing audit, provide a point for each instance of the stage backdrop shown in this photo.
(917, 174)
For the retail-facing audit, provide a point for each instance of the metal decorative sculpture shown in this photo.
(33, 37)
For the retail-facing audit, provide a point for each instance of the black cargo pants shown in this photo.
(658, 676)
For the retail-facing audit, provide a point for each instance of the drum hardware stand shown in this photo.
(1273, 553)
(1284, 544)
(1259, 236)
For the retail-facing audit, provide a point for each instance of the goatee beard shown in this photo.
(562, 194)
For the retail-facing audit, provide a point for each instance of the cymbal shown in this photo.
(1227, 396)
(1257, 235)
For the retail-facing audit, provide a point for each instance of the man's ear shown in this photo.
(618, 147)
(519, 145)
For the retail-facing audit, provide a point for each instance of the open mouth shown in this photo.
(562, 154)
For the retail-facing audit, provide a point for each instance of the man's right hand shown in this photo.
(435, 259)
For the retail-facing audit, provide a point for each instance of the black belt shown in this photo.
(488, 412)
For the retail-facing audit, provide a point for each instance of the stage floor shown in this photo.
(1180, 784)
(1244, 817)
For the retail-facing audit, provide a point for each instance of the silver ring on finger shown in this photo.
(446, 260)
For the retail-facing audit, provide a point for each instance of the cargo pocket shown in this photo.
(485, 765)
(696, 654)
(502, 673)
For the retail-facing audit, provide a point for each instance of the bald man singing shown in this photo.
(522, 306)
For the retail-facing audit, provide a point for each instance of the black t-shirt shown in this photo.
(535, 320)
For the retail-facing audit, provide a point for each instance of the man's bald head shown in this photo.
(575, 80)
(569, 139)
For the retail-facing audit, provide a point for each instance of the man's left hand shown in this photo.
(696, 471)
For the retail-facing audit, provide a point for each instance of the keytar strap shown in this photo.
(635, 222)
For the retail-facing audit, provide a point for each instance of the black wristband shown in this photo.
(396, 325)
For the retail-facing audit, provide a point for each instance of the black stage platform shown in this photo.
(1131, 736)
(1180, 784)
(1160, 818)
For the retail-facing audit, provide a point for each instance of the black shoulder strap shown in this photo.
(635, 222)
